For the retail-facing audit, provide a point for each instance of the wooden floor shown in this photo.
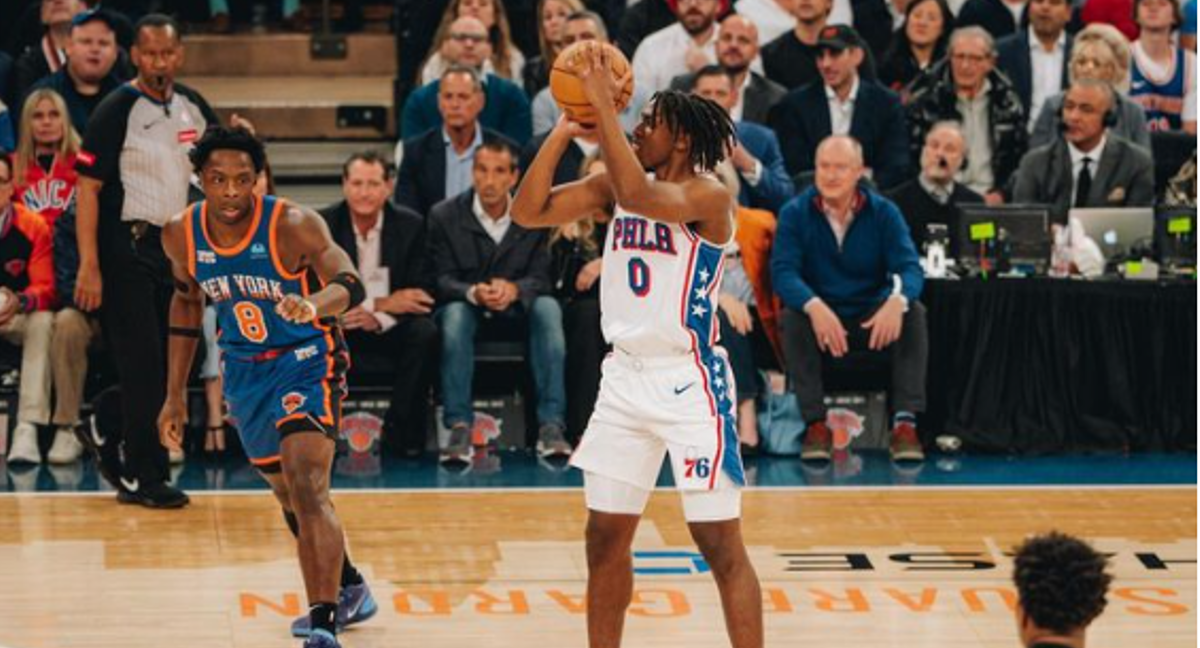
(848, 568)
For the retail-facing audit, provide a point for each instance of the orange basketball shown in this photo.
(567, 89)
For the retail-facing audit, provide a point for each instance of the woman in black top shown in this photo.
(575, 250)
(552, 20)
(919, 43)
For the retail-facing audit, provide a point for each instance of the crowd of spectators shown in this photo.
(859, 123)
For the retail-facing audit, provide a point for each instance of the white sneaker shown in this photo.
(25, 445)
(66, 449)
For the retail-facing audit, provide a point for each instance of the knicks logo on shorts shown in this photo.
(293, 401)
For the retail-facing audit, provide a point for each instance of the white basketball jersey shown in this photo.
(658, 289)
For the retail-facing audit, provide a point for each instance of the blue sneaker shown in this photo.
(322, 639)
(355, 605)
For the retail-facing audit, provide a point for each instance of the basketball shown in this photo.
(567, 89)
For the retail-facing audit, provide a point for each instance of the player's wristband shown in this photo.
(353, 285)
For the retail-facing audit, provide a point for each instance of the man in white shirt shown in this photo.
(737, 53)
(1035, 59)
(683, 47)
(392, 332)
(773, 17)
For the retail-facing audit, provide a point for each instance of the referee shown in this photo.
(134, 173)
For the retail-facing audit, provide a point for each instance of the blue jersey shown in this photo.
(245, 282)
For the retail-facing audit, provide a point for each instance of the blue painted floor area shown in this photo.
(517, 469)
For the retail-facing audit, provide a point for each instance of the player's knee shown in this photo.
(608, 541)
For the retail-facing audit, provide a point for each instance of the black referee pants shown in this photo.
(137, 296)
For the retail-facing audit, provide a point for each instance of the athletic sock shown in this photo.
(350, 575)
(323, 616)
(904, 417)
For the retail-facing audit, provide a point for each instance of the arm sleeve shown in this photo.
(1043, 128)
(787, 260)
(902, 260)
(40, 294)
(101, 150)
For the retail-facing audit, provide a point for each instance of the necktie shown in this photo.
(1083, 184)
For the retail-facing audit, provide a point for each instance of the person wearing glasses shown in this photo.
(968, 89)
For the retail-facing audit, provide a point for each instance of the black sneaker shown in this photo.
(102, 448)
(156, 496)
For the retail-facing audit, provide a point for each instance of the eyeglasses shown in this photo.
(974, 59)
(461, 36)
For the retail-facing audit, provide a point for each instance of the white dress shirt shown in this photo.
(740, 108)
(662, 56)
(841, 113)
(496, 228)
(373, 273)
(771, 19)
(1047, 70)
(1077, 158)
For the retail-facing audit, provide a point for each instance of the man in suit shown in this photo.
(764, 181)
(737, 48)
(437, 164)
(1088, 166)
(844, 103)
(387, 245)
(505, 108)
(934, 195)
(494, 275)
(1036, 59)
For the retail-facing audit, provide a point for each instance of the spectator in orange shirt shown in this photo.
(26, 296)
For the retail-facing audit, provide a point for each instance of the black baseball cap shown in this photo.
(839, 37)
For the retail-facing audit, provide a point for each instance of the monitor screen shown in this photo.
(1175, 235)
(1002, 238)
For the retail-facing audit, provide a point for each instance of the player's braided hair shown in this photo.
(222, 138)
(1061, 581)
(706, 124)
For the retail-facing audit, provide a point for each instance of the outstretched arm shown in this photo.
(305, 242)
(538, 204)
(187, 312)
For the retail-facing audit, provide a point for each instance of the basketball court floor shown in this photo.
(858, 555)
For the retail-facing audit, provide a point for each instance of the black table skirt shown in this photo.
(1042, 365)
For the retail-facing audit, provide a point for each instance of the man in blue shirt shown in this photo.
(847, 272)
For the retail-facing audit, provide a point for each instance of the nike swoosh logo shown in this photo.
(680, 390)
(129, 485)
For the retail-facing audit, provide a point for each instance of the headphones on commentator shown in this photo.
(1109, 119)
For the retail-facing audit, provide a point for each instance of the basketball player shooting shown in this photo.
(667, 388)
(278, 283)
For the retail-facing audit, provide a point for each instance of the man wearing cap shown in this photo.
(92, 69)
(843, 103)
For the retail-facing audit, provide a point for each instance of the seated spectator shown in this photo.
(748, 311)
(685, 46)
(26, 297)
(774, 18)
(437, 164)
(575, 252)
(51, 53)
(997, 17)
(843, 103)
(1088, 165)
(552, 18)
(503, 59)
(44, 164)
(920, 42)
(934, 196)
(1035, 58)
(1061, 587)
(91, 71)
(505, 109)
(584, 25)
(791, 59)
(387, 245)
(762, 180)
(1164, 74)
(968, 89)
(737, 50)
(1101, 52)
(494, 275)
(846, 270)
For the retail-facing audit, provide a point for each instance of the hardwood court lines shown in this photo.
(852, 568)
